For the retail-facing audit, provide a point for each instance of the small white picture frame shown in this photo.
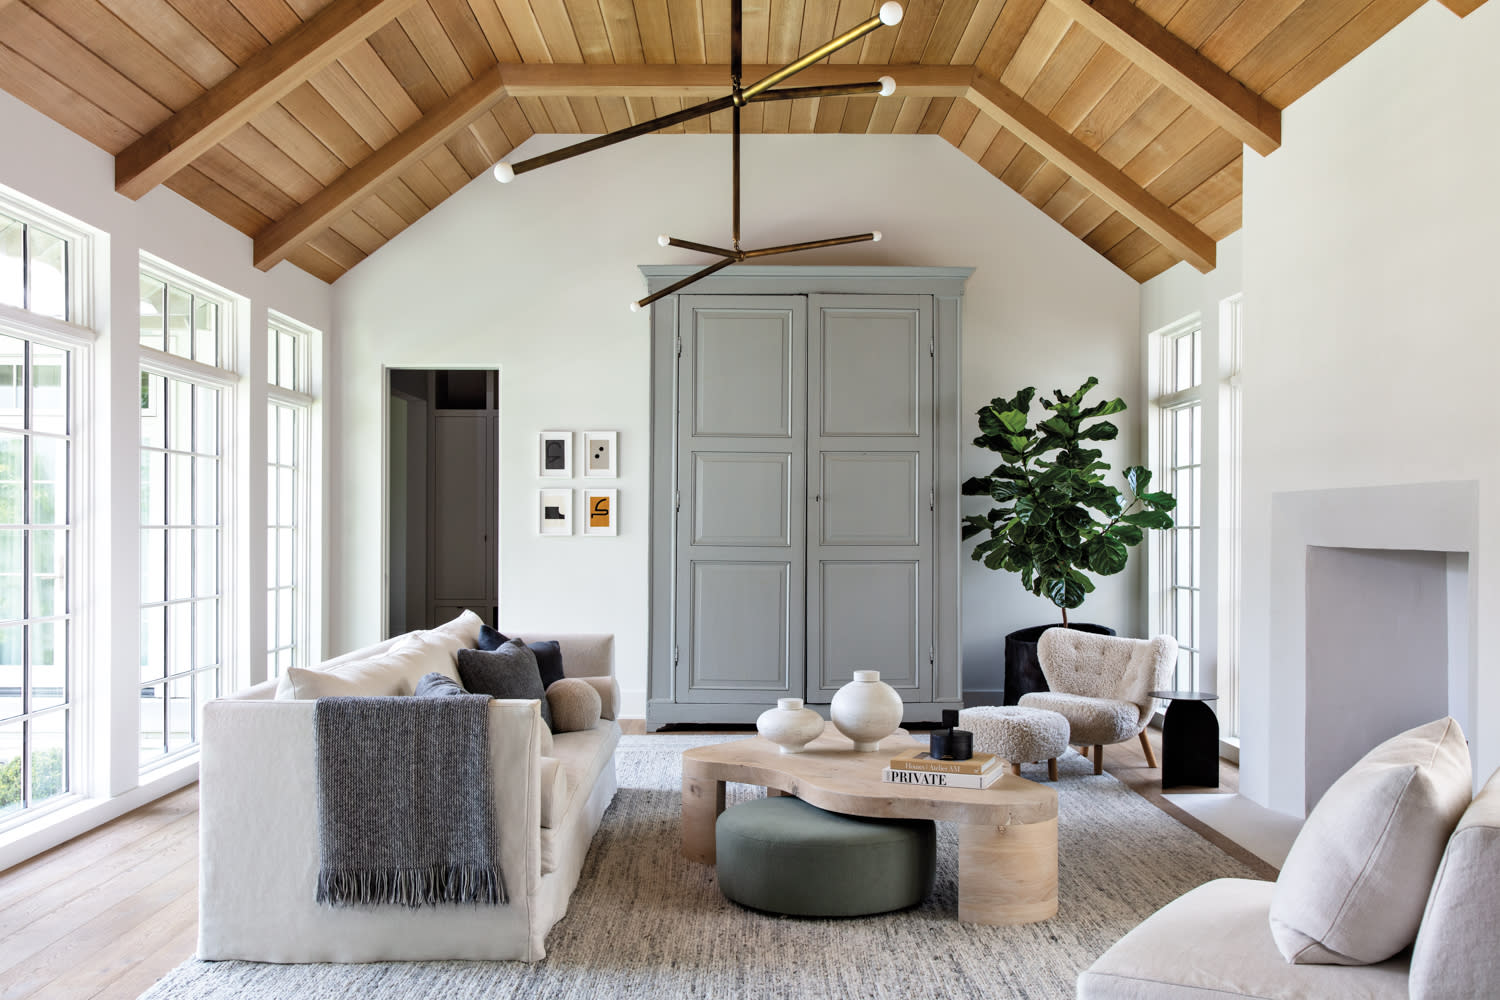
(601, 512)
(554, 512)
(601, 454)
(555, 455)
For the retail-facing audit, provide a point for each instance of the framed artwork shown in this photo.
(554, 513)
(555, 454)
(601, 514)
(600, 454)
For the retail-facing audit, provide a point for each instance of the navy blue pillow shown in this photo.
(436, 685)
(548, 655)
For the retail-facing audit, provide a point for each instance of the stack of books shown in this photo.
(918, 767)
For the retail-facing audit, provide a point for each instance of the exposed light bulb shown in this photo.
(664, 240)
(890, 12)
(504, 172)
(887, 86)
(875, 237)
(635, 307)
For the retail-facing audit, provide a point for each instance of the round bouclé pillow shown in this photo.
(575, 705)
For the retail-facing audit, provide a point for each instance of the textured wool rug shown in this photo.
(645, 923)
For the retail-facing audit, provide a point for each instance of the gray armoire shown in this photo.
(804, 489)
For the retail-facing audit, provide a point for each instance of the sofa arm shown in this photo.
(258, 840)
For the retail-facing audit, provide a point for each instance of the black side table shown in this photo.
(1189, 740)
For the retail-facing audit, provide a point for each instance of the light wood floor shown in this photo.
(107, 914)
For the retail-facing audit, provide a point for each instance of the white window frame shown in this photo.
(1230, 457)
(88, 693)
(227, 380)
(1164, 404)
(305, 402)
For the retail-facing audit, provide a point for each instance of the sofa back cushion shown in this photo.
(1353, 887)
(1455, 955)
(390, 668)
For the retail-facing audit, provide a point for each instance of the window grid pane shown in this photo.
(288, 353)
(35, 269)
(182, 322)
(286, 426)
(35, 558)
(1183, 449)
(182, 544)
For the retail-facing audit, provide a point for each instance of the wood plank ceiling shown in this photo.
(323, 129)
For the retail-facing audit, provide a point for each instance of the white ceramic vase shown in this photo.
(789, 725)
(866, 710)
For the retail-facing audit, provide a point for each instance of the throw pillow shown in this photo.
(1353, 887)
(436, 685)
(508, 672)
(575, 705)
(489, 639)
(548, 653)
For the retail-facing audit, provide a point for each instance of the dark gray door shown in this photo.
(870, 465)
(739, 628)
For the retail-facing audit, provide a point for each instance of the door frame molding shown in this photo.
(946, 287)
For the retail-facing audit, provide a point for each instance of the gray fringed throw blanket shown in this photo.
(404, 801)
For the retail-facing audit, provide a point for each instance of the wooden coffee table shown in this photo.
(1007, 833)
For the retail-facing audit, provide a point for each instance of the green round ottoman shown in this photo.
(784, 856)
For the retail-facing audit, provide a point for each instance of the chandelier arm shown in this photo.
(734, 184)
(673, 241)
(809, 245)
(710, 269)
(833, 90)
(854, 34)
(620, 135)
(736, 41)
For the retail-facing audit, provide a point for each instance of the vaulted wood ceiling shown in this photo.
(323, 129)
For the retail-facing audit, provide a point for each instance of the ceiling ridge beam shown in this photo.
(320, 211)
(1089, 168)
(1180, 68)
(265, 78)
(657, 80)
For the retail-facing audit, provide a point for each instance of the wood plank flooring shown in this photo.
(107, 914)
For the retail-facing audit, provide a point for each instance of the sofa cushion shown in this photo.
(584, 756)
(1354, 885)
(1455, 955)
(392, 667)
(1215, 943)
(508, 672)
(575, 705)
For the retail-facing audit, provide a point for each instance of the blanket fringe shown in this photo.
(412, 886)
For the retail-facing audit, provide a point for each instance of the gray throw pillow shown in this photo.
(508, 672)
(436, 685)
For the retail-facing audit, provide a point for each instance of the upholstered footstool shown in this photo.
(1019, 735)
(782, 855)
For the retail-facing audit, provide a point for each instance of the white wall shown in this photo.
(534, 278)
(47, 163)
(1372, 326)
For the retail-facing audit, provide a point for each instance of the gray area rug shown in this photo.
(645, 923)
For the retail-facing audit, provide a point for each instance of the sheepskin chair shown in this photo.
(1101, 684)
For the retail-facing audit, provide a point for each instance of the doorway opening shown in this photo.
(442, 496)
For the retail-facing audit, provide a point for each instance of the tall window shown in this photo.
(185, 330)
(1181, 449)
(288, 413)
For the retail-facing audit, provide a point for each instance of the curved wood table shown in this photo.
(1007, 833)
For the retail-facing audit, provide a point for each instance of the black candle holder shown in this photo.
(951, 744)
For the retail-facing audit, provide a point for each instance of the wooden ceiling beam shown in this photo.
(284, 236)
(607, 80)
(1225, 101)
(1463, 8)
(263, 80)
(1100, 176)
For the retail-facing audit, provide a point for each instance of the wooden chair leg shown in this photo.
(1083, 752)
(1146, 746)
(1098, 759)
(1015, 768)
(1052, 769)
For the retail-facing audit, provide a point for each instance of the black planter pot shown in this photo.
(1023, 671)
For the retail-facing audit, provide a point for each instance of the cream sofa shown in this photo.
(258, 831)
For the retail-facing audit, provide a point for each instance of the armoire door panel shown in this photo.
(742, 373)
(742, 498)
(872, 373)
(741, 638)
(870, 620)
(870, 498)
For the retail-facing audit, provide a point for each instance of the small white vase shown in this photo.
(789, 725)
(866, 710)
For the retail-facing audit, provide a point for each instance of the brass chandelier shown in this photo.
(737, 98)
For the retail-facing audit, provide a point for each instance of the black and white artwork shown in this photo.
(600, 454)
(556, 455)
(554, 512)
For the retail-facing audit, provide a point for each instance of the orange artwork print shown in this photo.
(599, 512)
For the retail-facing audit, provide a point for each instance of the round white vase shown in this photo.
(866, 710)
(789, 725)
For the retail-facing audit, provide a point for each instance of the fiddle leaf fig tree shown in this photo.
(1055, 519)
